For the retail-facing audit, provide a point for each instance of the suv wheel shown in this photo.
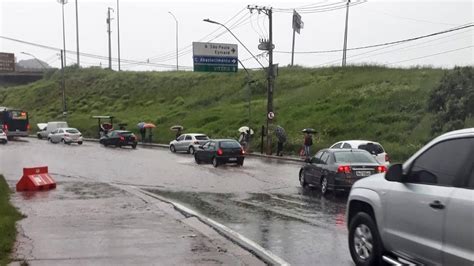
(215, 163)
(302, 179)
(191, 150)
(324, 185)
(172, 148)
(364, 240)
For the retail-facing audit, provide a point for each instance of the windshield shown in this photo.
(353, 157)
(201, 137)
(229, 144)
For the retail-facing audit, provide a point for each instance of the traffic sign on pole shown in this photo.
(215, 57)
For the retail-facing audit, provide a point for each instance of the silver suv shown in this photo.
(421, 212)
(188, 142)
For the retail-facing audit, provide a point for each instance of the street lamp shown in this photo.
(39, 61)
(218, 23)
(63, 2)
(177, 67)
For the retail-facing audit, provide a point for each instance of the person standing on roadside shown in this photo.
(308, 142)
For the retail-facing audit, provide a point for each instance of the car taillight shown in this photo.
(387, 159)
(242, 152)
(122, 138)
(220, 152)
(5, 127)
(381, 169)
(344, 169)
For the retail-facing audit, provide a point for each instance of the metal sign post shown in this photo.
(297, 26)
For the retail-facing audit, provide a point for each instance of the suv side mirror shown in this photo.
(395, 173)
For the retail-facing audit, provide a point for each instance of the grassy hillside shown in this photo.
(367, 102)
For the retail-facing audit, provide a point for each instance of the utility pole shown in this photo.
(118, 34)
(77, 35)
(345, 35)
(268, 45)
(63, 2)
(109, 32)
(63, 84)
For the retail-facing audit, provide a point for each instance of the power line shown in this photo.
(320, 8)
(430, 55)
(465, 26)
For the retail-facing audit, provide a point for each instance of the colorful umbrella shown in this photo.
(149, 125)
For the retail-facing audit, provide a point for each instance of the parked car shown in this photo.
(421, 212)
(65, 135)
(3, 137)
(220, 151)
(338, 169)
(47, 128)
(373, 147)
(189, 142)
(119, 138)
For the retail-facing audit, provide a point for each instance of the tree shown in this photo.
(452, 101)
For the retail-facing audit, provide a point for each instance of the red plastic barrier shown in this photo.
(35, 179)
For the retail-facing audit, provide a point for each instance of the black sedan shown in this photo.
(119, 138)
(338, 169)
(220, 151)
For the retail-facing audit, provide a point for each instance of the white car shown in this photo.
(47, 128)
(373, 147)
(3, 137)
(65, 135)
(188, 142)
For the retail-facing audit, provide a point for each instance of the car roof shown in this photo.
(358, 142)
(121, 131)
(458, 133)
(194, 134)
(220, 140)
(68, 128)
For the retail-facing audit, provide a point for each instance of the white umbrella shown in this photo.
(244, 129)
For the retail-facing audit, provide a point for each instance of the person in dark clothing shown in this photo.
(143, 134)
(308, 142)
(280, 148)
(178, 133)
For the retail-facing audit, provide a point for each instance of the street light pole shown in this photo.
(218, 23)
(39, 61)
(77, 35)
(63, 2)
(118, 34)
(177, 67)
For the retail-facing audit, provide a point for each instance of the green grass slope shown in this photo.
(8, 217)
(367, 102)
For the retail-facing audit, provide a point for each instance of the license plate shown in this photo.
(363, 173)
(232, 159)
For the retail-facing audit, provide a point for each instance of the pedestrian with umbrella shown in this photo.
(142, 130)
(244, 138)
(281, 136)
(308, 141)
(151, 126)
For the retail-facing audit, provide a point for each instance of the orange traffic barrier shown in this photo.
(35, 179)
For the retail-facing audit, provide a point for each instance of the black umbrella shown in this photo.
(280, 133)
(308, 130)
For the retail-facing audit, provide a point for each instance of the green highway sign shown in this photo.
(215, 68)
(215, 57)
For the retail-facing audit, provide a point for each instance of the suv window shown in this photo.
(201, 137)
(440, 164)
(180, 138)
(372, 148)
(189, 138)
(336, 146)
(346, 146)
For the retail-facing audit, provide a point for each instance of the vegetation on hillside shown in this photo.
(8, 217)
(365, 102)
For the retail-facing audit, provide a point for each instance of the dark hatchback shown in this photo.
(220, 151)
(338, 169)
(119, 138)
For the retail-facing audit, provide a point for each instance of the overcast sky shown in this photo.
(147, 31)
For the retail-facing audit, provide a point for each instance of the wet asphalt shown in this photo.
(261, 200)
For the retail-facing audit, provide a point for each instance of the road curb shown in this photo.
(247, 244)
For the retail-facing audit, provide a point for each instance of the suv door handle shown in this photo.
(437, 205)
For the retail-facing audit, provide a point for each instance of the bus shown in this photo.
(14, 122)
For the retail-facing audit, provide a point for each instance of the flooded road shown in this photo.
(262, 200)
